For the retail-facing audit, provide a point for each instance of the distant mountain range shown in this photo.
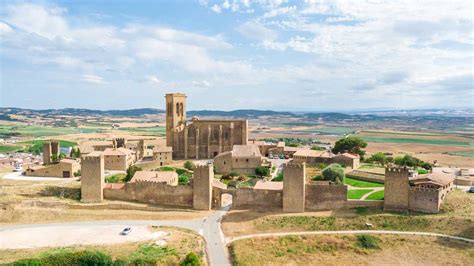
(249, 113)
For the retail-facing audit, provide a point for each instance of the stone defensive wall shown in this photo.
(320, 196)
(366, 176)
(421, 200)
(152, 192)
(250, 197)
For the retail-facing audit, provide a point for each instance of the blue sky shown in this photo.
(265, 54)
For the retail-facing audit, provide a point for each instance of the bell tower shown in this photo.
(175, 115)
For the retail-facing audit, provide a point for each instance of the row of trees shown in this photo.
(355, 145)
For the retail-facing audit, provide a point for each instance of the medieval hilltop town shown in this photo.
(224, 174)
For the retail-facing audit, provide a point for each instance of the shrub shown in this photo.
(279, 177)
(183, 179)
(78, 173)
(180, 171)
(242, 178)
(27, 262)
(191, 260)
(334, 172)
(167, 168)
(322, 165)
(233, 174)
(188, 165)
(262, 171)
(367, 241)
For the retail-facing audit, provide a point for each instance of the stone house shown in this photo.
(118, 159)
(243, 159)
(167, 177)
(163, 155)
(316, 157)
(63, 168)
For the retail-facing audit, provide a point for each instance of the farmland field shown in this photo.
(42, 131)
(147, 130)
(9, 148)
(444, 142)
(462, 153)
(331, 130)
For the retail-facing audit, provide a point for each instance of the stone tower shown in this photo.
(396, 189)
(141, 148)
(203, 176)
(47, 153)
(294, 181)
(119, 143)
(175, 115)
(55, 147)
(92, 180)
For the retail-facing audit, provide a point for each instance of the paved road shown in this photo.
(209, 228)
(348, 232)
(19, 176)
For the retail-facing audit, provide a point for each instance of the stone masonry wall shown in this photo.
(250, 197)
(152, 192)
(325, 197)
(424, 200)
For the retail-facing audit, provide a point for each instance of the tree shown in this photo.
(334, 173)
(131, 172)
(191, 260)
(188, 165)
(378, 158)
(54, 157)
(62, 156)
(407, 160)
(350, 144)
(262, 171)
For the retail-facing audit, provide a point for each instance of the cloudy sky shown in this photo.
(264, 54)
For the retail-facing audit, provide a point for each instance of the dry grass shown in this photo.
(16, 198)
(183, 241)
(455, 218)
(343, 250)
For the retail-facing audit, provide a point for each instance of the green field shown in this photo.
(360, 183)
(403, 133)
(463, 153)
(379, 195)
(357, 194)
(9, 148)
(419, 141)
(148, 130)
(331, 130)
(42, 131)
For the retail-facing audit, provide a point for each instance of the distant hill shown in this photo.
(240, 113)
(84, 112)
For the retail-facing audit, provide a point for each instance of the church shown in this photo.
(200, 139)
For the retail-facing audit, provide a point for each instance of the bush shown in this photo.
(233, 174)
(262, 171)
(322, 165)
(191, 260)
(181, 171)
(27, 262)
(78, 173)
(278, 178)
(189, 165)
(131, 172)
(167, 168)
(84, 257)
(334, 173)
(183, 180)
(367, 241)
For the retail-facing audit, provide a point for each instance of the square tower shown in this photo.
(396, 189)
(175, 115)
(47, 152)
(294, 184)
(202, 186)
(92, 177)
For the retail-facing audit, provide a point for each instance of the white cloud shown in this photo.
(5, 29)
(153, 79)
(201, 83)
(93, 79)
(216, 8)
(256, 31)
